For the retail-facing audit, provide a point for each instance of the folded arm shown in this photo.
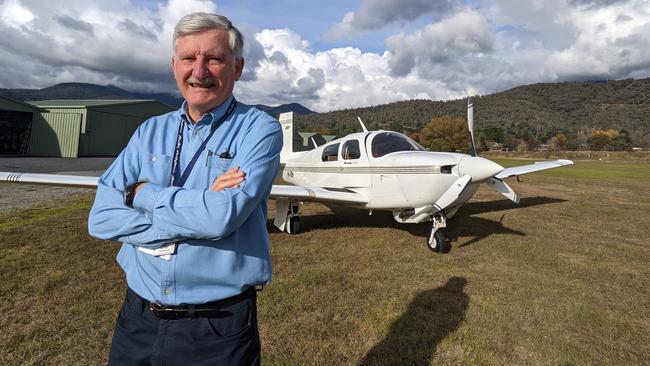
(166, 214)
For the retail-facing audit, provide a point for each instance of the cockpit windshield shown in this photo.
(388, 142)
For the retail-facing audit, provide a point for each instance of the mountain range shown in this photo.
(537, 110)
(93, 91)
(530, 111)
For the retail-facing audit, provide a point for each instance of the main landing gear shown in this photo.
(293, 218)
(437, 241)
(287, 215)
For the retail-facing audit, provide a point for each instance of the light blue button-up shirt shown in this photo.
(223, 244)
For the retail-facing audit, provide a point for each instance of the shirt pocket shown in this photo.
(217, 167)
(156, 168)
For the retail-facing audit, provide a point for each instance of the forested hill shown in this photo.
(538, 110)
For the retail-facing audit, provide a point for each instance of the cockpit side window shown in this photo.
(350, 150)
(331, 153)
(386, 142)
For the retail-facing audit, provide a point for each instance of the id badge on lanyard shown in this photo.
(179, 145)
(166, 252)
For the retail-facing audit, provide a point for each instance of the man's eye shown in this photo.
(215, 60)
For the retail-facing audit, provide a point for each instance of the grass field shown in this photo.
(561, 279)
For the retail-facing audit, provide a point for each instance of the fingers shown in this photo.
(138, 187)
(230, 179)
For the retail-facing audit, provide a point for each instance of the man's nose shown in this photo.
(200, 69)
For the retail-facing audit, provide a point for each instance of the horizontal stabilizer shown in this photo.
(525, 169)
(317, 194)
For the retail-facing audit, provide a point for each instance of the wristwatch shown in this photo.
(129, 194)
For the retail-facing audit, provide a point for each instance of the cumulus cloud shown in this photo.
(454, 51)
(439, 43)
(596, 3)
(74, 24)
(14, 14)
(325, 80)
(375, 14)
(101, 42)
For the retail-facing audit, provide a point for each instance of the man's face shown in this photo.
(205, 70)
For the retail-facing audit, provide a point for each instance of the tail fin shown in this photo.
(286, 120)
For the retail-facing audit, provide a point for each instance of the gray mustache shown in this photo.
(200, 82)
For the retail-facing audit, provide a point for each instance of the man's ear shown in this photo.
(239, 67)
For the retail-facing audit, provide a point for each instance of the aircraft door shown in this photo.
(354, 167)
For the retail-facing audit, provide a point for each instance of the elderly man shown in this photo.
(188, 199)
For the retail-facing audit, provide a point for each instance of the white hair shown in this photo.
(200, 22)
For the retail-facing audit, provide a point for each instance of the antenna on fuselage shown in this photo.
(362, 125)
(470, 124)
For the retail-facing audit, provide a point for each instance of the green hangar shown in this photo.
(74, 127)
(15, 120)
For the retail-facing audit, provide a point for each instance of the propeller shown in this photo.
(484, 168)
(362, 125)
(470, 124)
(452, 193)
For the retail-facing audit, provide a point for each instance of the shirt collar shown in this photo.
(208, 117)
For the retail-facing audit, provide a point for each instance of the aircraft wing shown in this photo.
(525, 169)
(50, 179)
(278, 191)
(317, 194)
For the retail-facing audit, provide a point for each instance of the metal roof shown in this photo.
(17, 105)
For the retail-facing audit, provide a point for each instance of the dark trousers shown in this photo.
(230, 338)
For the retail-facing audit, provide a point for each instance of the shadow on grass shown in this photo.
(461, 225)
(431, 317)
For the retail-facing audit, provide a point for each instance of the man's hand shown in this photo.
(230, 179)
(138, 187)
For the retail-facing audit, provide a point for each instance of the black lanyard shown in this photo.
(179, 145)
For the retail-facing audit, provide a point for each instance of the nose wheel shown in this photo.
(437, 241)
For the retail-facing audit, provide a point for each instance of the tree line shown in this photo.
(597, 115)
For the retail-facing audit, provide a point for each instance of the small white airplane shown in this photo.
(374, 170)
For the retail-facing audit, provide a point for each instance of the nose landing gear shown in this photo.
(437, 241)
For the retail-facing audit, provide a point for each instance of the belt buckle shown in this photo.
(155, 307)
(162, 312)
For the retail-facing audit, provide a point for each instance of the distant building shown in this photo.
(307, 139)
(15, 121)
(329, 138)
(76, 127)
(497, 146)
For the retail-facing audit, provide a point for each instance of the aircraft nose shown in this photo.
(478, 168)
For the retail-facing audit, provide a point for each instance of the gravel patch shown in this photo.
(17, 196)
(23, 196)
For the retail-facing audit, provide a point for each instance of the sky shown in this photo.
(336, 54)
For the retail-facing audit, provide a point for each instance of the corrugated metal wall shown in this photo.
(109, 128)
(55, 134)
(92, 130)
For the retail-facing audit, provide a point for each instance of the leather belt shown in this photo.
(213, 309)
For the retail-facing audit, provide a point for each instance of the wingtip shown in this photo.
(565, 162)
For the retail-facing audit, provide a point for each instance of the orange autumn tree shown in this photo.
(444, 134)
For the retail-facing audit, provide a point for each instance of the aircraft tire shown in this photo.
(441, 244)
(294, 224)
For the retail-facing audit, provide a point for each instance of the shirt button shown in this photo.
(168, 291)
(153, 158)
